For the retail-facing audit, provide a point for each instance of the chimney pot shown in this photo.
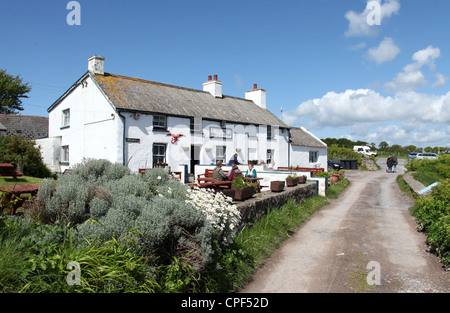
(255, 86)
(215, 77)
(209, 78)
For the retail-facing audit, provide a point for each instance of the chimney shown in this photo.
(257, 95)
(96, 65)
(213, 86)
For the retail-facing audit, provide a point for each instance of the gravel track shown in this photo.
(370, 222)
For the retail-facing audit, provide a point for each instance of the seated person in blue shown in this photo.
(251, 172)
(233, 160)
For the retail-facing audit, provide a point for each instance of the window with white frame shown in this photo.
(269, 132)
(65, 154)
(313, 156)
(159, 153)
(270, 154)
(65, 118)
(221, 153)
(196, 124)
(159, 122)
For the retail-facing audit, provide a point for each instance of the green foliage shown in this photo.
(337, 153)
(334, 190)
(433, 217)
(439, 168)
(19, 151)
(11, 90)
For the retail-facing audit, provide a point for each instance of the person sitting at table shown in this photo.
(234, 170)
(218, 174)
(251, 172)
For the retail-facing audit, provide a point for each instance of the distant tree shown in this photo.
(410, 148)
(428, 149)
(383, 145)
(11, 90)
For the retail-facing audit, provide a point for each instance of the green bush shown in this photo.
(22, 152)
(433, 217)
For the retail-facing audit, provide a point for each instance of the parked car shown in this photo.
(430, 156)
(335, 165)
(412, 155)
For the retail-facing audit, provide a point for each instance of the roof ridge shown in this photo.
(165, 84)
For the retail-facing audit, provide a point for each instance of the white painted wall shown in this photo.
(95, 128)
(300, 157)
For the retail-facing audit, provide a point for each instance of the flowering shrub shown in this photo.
(219, 211)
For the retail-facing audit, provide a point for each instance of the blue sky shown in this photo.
(320, 60)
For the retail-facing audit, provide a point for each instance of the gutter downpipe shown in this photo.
(123, 138)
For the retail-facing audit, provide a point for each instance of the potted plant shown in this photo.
(291, 180)
(277, 186)
(302, 179)
(242, 189)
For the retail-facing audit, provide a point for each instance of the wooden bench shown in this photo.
(207, 176)
(217, 186)
(7, 170)
(302, 169)
(15, 195)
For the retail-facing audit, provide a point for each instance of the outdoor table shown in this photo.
(14, 192)
(7, 169)
(217, 185)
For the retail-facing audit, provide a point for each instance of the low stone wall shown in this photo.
(253, 209)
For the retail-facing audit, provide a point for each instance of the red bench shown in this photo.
(13, 194)
(7, 170)
(207, 176)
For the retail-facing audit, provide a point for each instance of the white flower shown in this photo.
(159, 177)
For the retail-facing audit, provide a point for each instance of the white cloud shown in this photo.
(386, 51)
(440, 80)
(358, 25)
(412, 77)
(406, 118)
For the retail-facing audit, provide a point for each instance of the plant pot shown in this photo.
(302, 179)
(291, 182)
(277, 186)
(334, 178)
(229, 193)
(241, 194)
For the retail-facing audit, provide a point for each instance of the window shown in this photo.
(196, 124)
(159, 153)
(269, 156)
(269, 132)
(221, 153)
(65, 154)
(65, 118)
(313, 156)
(159, 122)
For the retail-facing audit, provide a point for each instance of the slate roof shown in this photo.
(302, 137)
(27, 126)
(132, 94)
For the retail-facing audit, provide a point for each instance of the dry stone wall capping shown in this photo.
(253, 209)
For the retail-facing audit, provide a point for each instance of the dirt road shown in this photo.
(367, 235)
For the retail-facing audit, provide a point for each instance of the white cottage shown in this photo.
(140, 123)
(306, 150)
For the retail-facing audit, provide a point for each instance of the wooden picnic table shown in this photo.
(217, 185)
(14, 194)
(7, 170)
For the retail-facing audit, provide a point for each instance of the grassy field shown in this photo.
(24, 180)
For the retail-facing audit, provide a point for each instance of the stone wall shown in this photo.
(253, 209)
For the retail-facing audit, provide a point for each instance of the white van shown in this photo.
(364, 150)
